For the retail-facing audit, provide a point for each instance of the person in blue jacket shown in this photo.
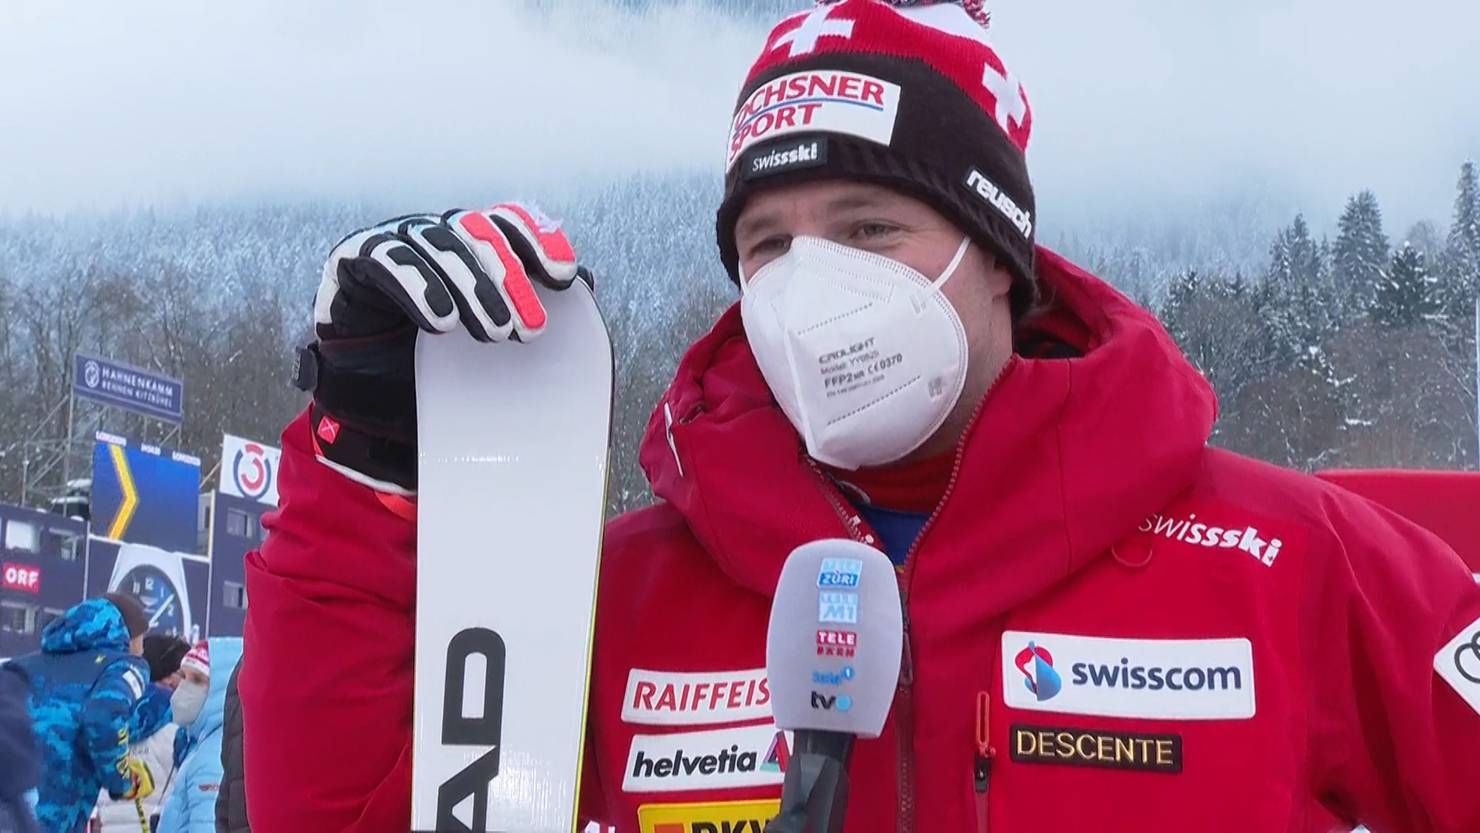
(18, 770)
(199, 705)
(84, 684)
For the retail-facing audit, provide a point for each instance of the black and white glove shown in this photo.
(470, 269)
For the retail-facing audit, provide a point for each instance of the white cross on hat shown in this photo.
(1009, 94)
(804, 38)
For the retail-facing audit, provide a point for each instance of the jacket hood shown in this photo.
(226, 652)
(1065, 456)
(91, 625)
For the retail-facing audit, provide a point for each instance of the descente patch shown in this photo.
(750, 756)
(816, 101)
(675, 698)
(773, 159)
(1096, 748)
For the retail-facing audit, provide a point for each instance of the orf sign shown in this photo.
(20, 577)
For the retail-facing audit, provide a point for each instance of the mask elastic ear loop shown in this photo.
(955, 262)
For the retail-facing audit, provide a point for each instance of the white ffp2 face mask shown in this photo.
(864, 354)
(187, 701)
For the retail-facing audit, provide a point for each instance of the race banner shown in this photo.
(132, 388)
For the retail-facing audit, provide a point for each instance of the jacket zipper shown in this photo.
(904, 697)
(982, 766)
(904, 706)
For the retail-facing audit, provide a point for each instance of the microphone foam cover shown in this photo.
(833, 647)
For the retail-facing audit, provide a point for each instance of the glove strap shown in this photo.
(363, 414)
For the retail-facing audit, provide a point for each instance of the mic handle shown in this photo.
(814, 796)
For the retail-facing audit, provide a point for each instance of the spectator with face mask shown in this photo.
(198, 706)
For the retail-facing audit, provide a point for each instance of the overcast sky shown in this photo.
(1140, 105)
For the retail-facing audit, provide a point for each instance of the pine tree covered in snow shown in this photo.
(1361, 253)
(1296, 295)
(1408, 295)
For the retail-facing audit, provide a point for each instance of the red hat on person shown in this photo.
(909, 94)
(198, 659)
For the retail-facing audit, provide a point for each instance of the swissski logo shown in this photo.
(747, 756)
(1458, 663)
(1167, 679)
(1036, 665)
(1241, 537)
(776, 158)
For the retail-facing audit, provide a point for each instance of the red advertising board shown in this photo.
(25, 577)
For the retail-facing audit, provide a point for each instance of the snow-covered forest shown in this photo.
(1348, 346)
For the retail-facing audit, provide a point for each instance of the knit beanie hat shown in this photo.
(199, 658)
(908, 94)
(163, 653)
(134, 617)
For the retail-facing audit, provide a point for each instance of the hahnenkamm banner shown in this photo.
(125, 386)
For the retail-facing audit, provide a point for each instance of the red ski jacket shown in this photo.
(1111, 626)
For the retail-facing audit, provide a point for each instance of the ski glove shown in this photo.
(141, 780)
(421, 272)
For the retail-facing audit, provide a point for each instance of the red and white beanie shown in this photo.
(199, 658)
(904, 93)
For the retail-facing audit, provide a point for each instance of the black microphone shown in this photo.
(832, 662)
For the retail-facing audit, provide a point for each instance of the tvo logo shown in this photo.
(831, 702)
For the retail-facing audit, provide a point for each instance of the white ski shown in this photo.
(514, 442)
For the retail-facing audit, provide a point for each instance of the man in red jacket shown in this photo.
(1110, 626)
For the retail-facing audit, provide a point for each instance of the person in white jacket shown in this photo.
(199, 704)
(153, 728)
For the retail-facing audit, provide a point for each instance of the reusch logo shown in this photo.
(998, 199)
(1191, 531)
(1039, 675)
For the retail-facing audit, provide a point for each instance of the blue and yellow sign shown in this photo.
(144, 494)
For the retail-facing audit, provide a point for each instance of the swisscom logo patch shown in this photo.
(1167, 679)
